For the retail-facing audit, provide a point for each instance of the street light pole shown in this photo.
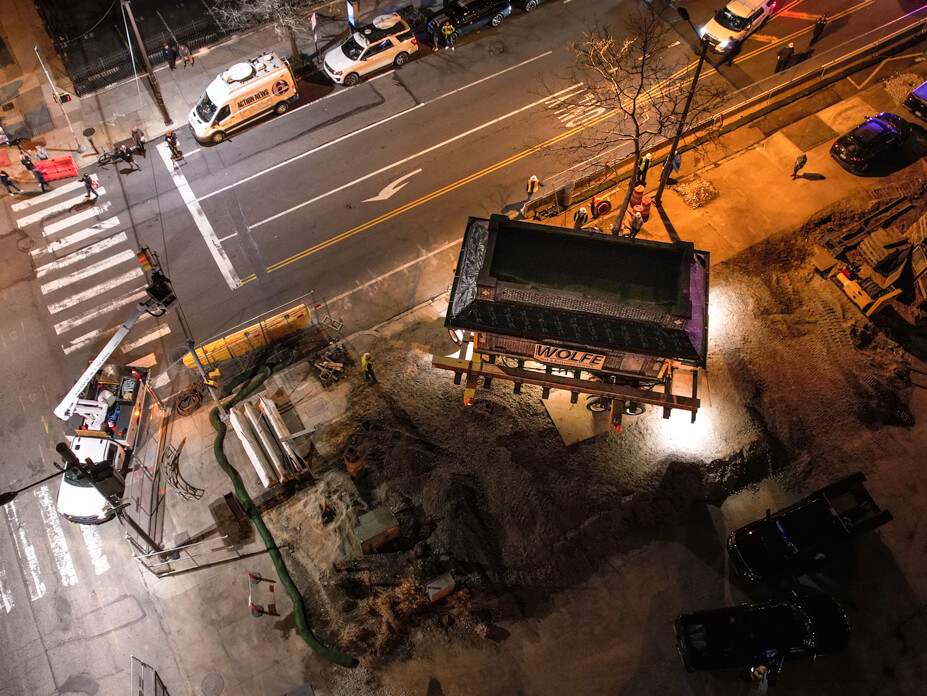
(668, 164)
(127, 8)
(9, 496)
(80, 148)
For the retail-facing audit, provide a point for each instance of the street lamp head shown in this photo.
(683, 13)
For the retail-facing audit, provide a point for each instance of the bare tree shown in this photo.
(289, 18)
(632, 94)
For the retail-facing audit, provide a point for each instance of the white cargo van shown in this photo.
(241, 94)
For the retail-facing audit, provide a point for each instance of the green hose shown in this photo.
(252, 382)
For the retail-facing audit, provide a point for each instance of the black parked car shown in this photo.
(793, 539)
(526, 5)
(751, 635)
(857, 150)
(916, 101)
(469, 16)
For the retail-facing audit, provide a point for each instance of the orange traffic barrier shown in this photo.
(600, 206)
(637, 195)
(57, 168)
(645, 208)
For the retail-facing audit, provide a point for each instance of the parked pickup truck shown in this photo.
(765, 634)
(789, 541)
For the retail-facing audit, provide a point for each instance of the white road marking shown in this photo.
(162, 330)
(6, 597)
(76, 237)
(71, 220)
(95, 291)
(95, 548)
(81, 341)
(134, 296)
(59, 545)
(26, 553)
(44, 198)
(51, 210)
(201, 221)
(392, 187)
(87, 271)
(365, 128)
(407, 159)
(80, 255)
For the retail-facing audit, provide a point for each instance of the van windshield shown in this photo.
(729, 20)
(352, 49)
(205, 109)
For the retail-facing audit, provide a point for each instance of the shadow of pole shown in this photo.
(667, 223)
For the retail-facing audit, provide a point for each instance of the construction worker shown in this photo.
(643, 167)
(367, 367)
(580, 217)
(531, 188)
(636, 225)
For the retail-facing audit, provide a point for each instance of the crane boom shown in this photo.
(69, 403)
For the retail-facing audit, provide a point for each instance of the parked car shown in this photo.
(916, 101)
(736, 22)
(388, 40)
(471, 15)
(750, 635)
(791, 540)
(878, 134)
(526, 5)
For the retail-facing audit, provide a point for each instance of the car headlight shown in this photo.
(701, 31)
(724, 44)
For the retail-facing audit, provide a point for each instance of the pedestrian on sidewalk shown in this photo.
(800, 162)
(818, 29)
(186, 56)
(171, 139)
(9, 184)
(367, 366)
(41, 153)
(128, 157)
(27, 162)
(170, 55)
(785, 55)
(139, 139)
(580, 217)
(531, 188)
(450, 36)
(90, 185)
(436, 36)
(40, 177)
(643, 168)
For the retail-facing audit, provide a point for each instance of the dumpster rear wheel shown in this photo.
(597, 404)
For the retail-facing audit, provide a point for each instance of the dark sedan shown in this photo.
(859, 148)
(751, 635)
(469, 16)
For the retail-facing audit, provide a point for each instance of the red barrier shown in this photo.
(57, 168)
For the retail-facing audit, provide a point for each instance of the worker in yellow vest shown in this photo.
(531, 188)
(367, 367)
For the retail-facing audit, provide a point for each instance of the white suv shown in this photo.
(736, 22)
(389, 40)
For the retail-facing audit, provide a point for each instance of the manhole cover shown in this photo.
(212, 685)
(177, 352)
(25, 244)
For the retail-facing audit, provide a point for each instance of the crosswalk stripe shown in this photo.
(162, 330)
(71, 220)
(134, 296)
(75, 238)
(6, 597)
(94, 291)
(94, 548)
(45, 197)
(53, 209)
(80, 255)
(87, 271)
(56, 540)
(81, 341)
(25, 552)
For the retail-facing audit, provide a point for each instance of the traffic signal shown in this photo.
(144, 258)
(160, 290)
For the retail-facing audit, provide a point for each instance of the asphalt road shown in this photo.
(295, 205)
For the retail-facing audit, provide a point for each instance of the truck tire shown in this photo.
(401, 59)
(497, 20)
(351, 79)
(217, 137)
(281, 108)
